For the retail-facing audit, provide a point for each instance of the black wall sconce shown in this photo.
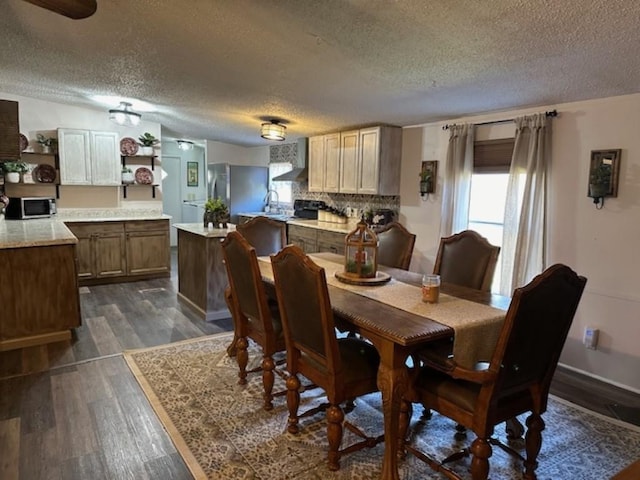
(428, 177)
(603, 175)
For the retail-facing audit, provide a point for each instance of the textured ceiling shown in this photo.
(214, 69)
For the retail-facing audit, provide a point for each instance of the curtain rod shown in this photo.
(552, 113)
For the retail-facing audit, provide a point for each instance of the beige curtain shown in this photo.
(457, 180)
(523, 248)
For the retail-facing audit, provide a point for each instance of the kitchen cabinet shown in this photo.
(120, 251)
(349, 161)
(331, 242)
(88, 157)
(101, 249)
(324, 163)
(40, 297)
(304, 237)
(364, 161)
(148, 250)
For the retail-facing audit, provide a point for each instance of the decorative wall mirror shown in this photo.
(603, 175)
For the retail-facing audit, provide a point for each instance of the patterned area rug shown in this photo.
(222, 432)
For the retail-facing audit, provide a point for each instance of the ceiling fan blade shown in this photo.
(76, 9)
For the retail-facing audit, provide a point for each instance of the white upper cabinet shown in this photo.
(88, 157)
(324, 163)
(349, 161)
(365, 161)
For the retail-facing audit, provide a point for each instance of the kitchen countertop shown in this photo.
(39, 232)
(303, 222)
(199, 229)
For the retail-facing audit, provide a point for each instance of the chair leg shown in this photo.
(268, 379)
(481, 450)
(533, 442)
(242, 356)
(335, 417)
(406, 411)
(293, 402)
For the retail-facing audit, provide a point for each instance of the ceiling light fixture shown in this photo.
(273, 131)
(184, 144)
(123, 115)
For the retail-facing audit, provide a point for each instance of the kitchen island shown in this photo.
(202, 277)
(39, 294)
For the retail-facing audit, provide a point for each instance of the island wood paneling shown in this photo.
(40, 300)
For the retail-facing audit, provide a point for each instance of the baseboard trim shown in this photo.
(599, 378)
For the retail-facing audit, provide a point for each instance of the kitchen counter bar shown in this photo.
(202, 277)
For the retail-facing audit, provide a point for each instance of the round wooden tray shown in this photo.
(380, 279)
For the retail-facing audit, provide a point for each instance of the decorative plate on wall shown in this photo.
(144, 176)
(44, 173)
(128, 146)
(24, 143)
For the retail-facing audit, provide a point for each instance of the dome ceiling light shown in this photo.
(123, 115)
(185, 144)
(273, 131)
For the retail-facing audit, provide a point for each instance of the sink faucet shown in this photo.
(267, 198)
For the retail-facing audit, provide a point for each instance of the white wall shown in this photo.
(599, 244)
(218, 152)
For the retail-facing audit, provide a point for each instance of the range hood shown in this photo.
(299, 174)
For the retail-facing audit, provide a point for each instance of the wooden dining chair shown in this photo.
(515, 381)
(266, 235)
(344, 368)
(467, 259)
(395, 246)
(253, 315)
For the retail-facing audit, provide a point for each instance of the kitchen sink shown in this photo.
(273, 215)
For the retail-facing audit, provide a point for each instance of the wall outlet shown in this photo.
(590, 339)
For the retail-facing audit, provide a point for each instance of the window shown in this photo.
(283, 188)
(491, 162)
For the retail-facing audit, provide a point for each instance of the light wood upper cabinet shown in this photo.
(88, 157)
(324, 163)
(365, 161)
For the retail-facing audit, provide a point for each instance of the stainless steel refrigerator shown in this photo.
(243, 188)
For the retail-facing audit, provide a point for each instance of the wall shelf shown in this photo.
(138, 185)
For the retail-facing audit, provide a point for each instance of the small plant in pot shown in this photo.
(13, 170)
(147, 141)
(46, 143)
(216, 213)
(127, 176)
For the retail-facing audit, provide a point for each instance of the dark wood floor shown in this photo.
(74, 411)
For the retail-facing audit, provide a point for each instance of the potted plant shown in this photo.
(147, 141)
(13, 170)
(216, 213)
(46, 143)
(127, 176)
(600, 181)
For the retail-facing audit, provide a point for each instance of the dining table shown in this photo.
(396, 331)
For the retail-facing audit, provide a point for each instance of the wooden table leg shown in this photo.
(392, 382)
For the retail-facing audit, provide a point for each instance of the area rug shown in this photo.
(222, 432)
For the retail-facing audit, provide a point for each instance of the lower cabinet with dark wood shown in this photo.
(119, 251)
(40, 298)
(148, 250)
(331, 242)
(304, 237)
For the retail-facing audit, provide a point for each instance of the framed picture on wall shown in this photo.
(192, 174)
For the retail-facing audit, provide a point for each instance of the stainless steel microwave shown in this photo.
(23, 208)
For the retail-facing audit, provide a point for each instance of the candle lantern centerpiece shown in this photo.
(361, 258)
